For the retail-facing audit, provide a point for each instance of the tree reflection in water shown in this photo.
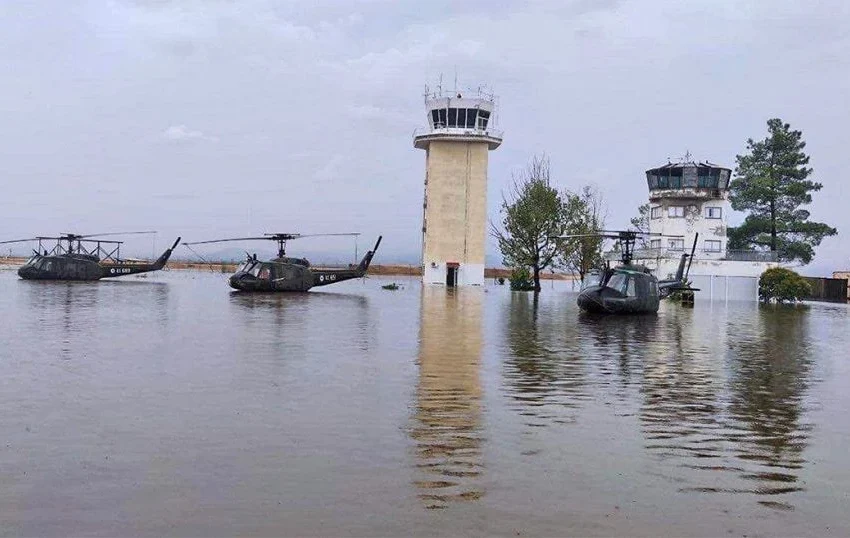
(770, 365)
(736, 422)
(544, 369)
(447, 425)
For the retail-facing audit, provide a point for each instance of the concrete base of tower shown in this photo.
(453, 274)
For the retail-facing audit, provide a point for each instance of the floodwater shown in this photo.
(170, 406)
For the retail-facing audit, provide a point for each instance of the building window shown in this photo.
(711, 245)
(676, 244)
(713, 212)
(676, 211)
(655, 243)
(655, 213)
(470, 118)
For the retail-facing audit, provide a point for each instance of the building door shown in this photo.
(451, 277)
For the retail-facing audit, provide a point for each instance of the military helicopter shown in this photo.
(285, 273)
(629, 288)
(84, 257)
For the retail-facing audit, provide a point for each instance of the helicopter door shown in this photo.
(265, 272)
(451, 275)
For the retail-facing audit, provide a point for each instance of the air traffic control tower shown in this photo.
(460, 132)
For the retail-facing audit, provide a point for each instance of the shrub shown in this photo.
(521, 279)
(782, 285)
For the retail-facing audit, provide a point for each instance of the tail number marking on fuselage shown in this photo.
(329, 278)
(120, 271)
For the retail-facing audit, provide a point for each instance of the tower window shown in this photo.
(676, 212)
(656, 212)
(711, 245)
(655, 243)
(452, 117)
(713, 212)
(435, 117)
(483, 118)
(441, 118)
(470, 118)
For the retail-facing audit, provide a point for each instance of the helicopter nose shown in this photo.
(236, 281)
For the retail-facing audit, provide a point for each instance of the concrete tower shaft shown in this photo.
(454, 230)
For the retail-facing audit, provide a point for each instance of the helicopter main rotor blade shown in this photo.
(75, 236)
(262, 238)
(574, 236)
(299, 236)
(19, 241)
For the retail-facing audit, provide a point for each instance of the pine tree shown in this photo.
(771, 185)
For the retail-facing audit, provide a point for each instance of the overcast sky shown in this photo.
(213, 117)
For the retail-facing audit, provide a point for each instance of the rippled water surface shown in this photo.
(171, 406)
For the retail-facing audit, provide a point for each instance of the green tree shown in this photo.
(771, 184)
(641, 222)
(584, 216)
(782, 285)
(532, 215)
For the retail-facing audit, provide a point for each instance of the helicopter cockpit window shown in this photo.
(653, 288)
(618, 282)
(32, 260)
(247, 266)
(255, 270)
(265, 273)
(591, 279)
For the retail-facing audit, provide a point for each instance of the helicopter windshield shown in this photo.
(32, 260)
(247, 266)
(592, 279)
(255, 269)
(623, 283)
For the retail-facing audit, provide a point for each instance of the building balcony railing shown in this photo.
(676, 253)
(462, 131)
(751, 256)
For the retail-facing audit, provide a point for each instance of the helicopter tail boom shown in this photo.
(323, 277)
(122, 269)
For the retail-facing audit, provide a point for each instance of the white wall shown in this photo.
(693, 222)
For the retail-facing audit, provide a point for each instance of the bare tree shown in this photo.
(584, 217)
(532, 215)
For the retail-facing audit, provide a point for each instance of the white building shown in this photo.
(689, 198)
(459, 135)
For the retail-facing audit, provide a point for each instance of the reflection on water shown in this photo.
(288, 322)
(719, 392)
(447, 421)
(544, 369)
(731, 419)
(170, 406)
(770, 363)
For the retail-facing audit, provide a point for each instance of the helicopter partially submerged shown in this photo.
(285, 273)
(84, 257)
(629, 288)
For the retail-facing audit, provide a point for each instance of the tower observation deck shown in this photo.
(459, 134)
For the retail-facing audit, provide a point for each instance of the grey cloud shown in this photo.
(313, 105)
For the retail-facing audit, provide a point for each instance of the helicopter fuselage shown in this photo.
(83, 267)
(284, 274)
(622, 290)
(288, 274)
